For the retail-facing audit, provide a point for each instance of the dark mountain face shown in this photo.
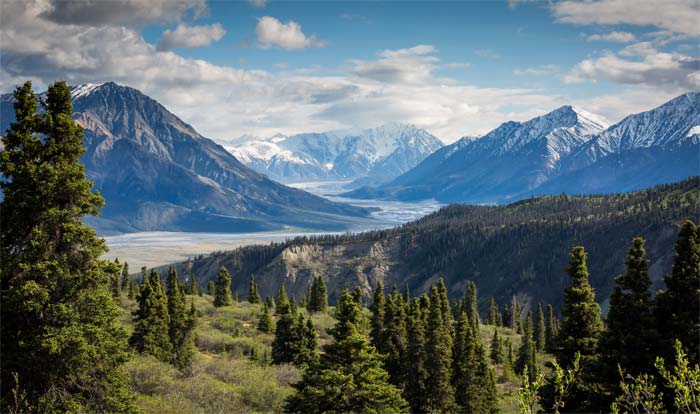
(157, 173)
(517, 249)
(567, 151)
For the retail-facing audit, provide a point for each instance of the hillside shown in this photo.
(517, 249)
(156, 172)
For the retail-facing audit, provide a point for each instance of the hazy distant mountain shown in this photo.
(565, 151)
(371, 156)
(157, 173)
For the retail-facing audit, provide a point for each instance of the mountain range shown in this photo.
(157, 173)
(366, 157)
(565, 151)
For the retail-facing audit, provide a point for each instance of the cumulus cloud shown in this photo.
(123, 12)
(273, 33)
(542, 70)
(190, 36)
(412, 65)
(619, 37)
(679, 16)
(666, 70)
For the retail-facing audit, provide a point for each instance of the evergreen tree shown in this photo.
(630, 337)
(180, 322)
(416, 370)
(308, 340)
(677, 306)
(357, 296)
(253, 296)
(377, 319)
(514, 314)
(540, 329)
(551, 331)
(506, 316)
(211, 287)
(349, 376)
(60, 334)
(222, 292)
(152, 322)
(394, 345)
(266, 324)
(447, 319)
(527, 353)
(319, 295)
(492, 316)
(496, 355)
(133, 290)
(471, 305)
(115, 284)
(270, 302)
(287, 342)
(282, 301)
(194, 289)
(439, 390)
(474, 384)
(125, 279)
(582, 325)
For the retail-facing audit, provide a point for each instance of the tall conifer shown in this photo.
(439, 390)
(222, 292)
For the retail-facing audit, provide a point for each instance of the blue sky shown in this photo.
(455, 68)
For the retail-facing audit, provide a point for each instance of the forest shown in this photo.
(83, 334)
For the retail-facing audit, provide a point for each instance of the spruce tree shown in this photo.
(416, 371)
(211, 287)
(308, 340)
(377, 319)
(629, 341)
(133, 290)
(349, 376)
(253, 296)
(266, 324)
(287, 341)
(194, 289)
(357, 296)
(125, 279)
(514, 314)
(180, 322)
(527, 356)
(471, 305)
(282, 301)
(496, 348)
(550, 331)
(540, 329)
(152, 322)
(474, 384)
(61, 334)
(492, 316)
(439, 390)
(222, 292)
(677, 306)
(394, 345)
(319, 295)
(115, 283)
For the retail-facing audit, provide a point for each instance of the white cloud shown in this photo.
(122, 12)
(619, 37)
(664, 70)
(542, 70)
(679, 16)
(487, 53)
(273, 33)
(639, 49)
(190, 36)
(412, 65)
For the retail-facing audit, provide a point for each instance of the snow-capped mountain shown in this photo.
(370, 156)
(157, 173)
(567, 150)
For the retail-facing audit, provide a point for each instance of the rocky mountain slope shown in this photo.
(371, 156)
(157, 173)
(567, 150)
(516, 249)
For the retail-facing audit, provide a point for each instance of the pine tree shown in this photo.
(394, 344)
(551, 331)
(439, 390)
(125, 279)
(180, 322)
(540, 329)
(496, 348)
(308, 340)
(471, 305)
(357, 296)
(377, 319)
(492, 316)
(527, 353)
(152, 322)
(60, 332)
(447, 318)
(319, 295)
(349, 376)
(677, 306)
(115, 284)
(628, 342)
(253, 296)
(282, 301)
(582, 325)
(222, 292)
(287, 341)
(266, 324)
(416, 371)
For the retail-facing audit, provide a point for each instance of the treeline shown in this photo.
(517, 249)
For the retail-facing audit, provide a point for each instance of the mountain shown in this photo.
(516, 249)
(371, 156)
(566, 151)
(511, 159)
(157, 173)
